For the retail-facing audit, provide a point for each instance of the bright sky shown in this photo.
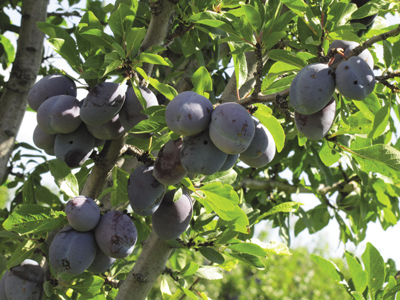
(384, 241)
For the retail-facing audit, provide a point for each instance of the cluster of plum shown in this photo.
(23, 282)
(91, 241)
(311, 92)
(70, 129)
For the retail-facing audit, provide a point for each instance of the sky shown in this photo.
(327, 237)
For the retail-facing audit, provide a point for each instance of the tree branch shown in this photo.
(13, 101)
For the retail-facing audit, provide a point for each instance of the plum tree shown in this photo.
(168, 168)
(199, 155)
(317, 125)
(74, 148)
(102, 103)
(312, 88)
(110, 130)
(145, 192)
(173, 217)
(130, 113)
(43, 140)
(231, 128)
(116, 234)
(188, 113)
(82, 212)
(72, 252)
(347, 46)
(101, 262)
(59, 114)
(49, 86)
(354, 78)
(259, 143)
(25, 281)
(265, 158)
(229, 162)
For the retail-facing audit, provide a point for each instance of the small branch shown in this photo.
(264, 98)
(179, 31)
(64, 14)
(258, 74)
(267, 184)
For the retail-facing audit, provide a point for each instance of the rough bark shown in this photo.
(13, 101)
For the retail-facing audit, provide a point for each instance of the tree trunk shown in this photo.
(13, 101)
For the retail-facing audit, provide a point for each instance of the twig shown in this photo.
(64, 14)
(264, 98)
(258, 74)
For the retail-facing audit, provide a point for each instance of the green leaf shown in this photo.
(286, 57)
(154, 59)
(240, 64)
(190, 268)
(22, 252)
(112, 61)
(209, 273)
(117, 19)
(9, 52)
(202, 81)
(219, 196)
(48, 288)
(296, 6)
(271, 40)
(264, 115)
(215, 20)
(357, 295)
(328, 266)
(212, 255)
(375, 269)
(134, 39)
(366, 10)
(327, 155)
(379, 158)
(283, 207)
(63, 177)
(358, 275)
(165, 89)
(147, 126)
(387, 53)
(391, 289)
(188, 293)
(252, 260)
(276, 248)
(253, 16)
(381, 121)
(97, 37)
(89, 287)
(120, 182)
(28, 191)
(225, 177)
(248, 248)
(32, 218)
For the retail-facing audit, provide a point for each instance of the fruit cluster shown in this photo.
(23, 282)
(70, 129)
(311, 92)
(91, 242)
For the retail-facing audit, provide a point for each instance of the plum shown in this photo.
(49, 86)
(130, 113)
(82, 212)
(354, 78)
(312, 88)
(199, 155)
(3, 286)
(259, 142)
(101, 262)
(116, 234)
(317, 125)
(172, 218)
(266, 157)
(59, 114)
(110, 130)
(25, 281)
(74, 148)
(72, 252)
(232, 128)
(188, 113)
(145, 192)
(168, 168)
(229, 162)
(102, 103)
(43, 140)
(347, 46)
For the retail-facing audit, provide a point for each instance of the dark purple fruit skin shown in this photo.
(199, 155)
(259, 143)
(347, 46)
(25, 281)
(312, 88)
(232, 128)
(116, 234)
(317, 125)
(172, 218)
(229, 162)
(59, 114)
(43, 140)
(354, 78)
(101, 262)
(3, 286)
(102, 103)
(130, 113)
(188, 113)
(74, 148)
(72, 252)
(82, 212)
(145, 192)
(266, 157)
(110, 130)
(168, 168)
(49, 86)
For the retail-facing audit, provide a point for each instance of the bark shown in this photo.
(13, 101)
